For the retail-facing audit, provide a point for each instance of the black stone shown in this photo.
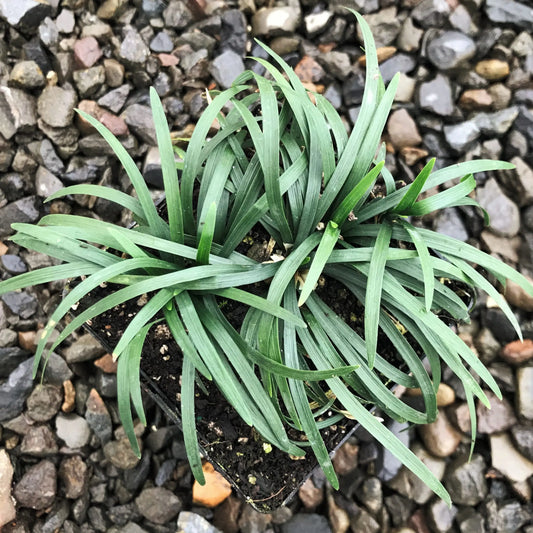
(32, 50)
(15, 390)
(233, 33)
(11, 357)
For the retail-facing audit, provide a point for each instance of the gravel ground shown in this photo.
(466, 92)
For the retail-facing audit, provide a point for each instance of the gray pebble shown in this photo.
(450, 50)
(226, 67)
(13, 264)
(465, 481)
(159, 505)
(56, 106)
(436, 96)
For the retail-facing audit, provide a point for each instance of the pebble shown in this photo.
(310, 523)
(37, 487)
(84, 348)
(233, 33)
(87, 52)
(431, 13)
(44, 402)
(110, 9)
(74, 475)
(371, 494)
(469, 521)
(385, 26)
(15, 390)
(226, 67)
(13, 264)
(159, 505)
(20, 303)
(194, 523)
(501, 95)
(162, 43)
(11, 357)
(440, 516)
(487, 346)
(406, 89)
(412, 487)
(57, 370)
(399, 508)
(524, 389)
(7, 508)
(440, 437)
(465, 481)
(403, 63)
(445, 394)
(402, 130)
(56, 106)
(114, 72)
(19, 113)
(177, 15)
(310, 495)
(410, 36)
(88, 81)
(46, 183)
(39, 441)
(504, 214)
(73, 430)
(509, 11)
(133, 51)
(272, 21)
(451, 50)
(139, 119)
(65, 21)
(120, 454)
(436, 96)
(26, 75)
(216, 489)
(462, 136)
(496, 124)
(317, 22)
(517, 352)
(476, 99)
(8, 338)
(25, 14)
(523, 440)
(493, 69)
(345, 458)
(499, 417)
(507, 460)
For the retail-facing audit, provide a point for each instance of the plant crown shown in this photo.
(281, 159)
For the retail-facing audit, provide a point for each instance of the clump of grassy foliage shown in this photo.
(281, 160)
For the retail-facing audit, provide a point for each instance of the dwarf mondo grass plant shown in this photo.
(282, 161)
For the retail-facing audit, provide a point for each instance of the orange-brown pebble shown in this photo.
(384, 53)
(69, 394)
(518, 352)
(3, 248)
(106, 364)
(215, 490)
(475, 99)
(27, 340)
(309, 70)
(492, 69)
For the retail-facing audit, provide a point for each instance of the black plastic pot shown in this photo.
(283, 494)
